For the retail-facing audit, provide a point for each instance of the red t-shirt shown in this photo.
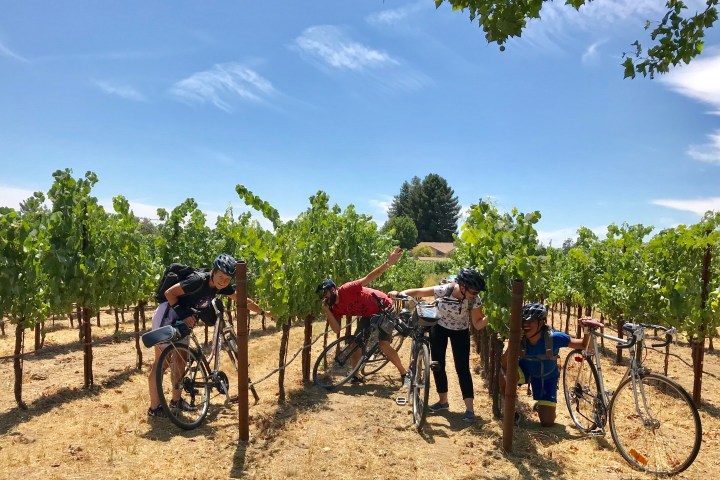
(356, 300)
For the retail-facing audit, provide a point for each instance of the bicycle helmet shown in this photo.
(471, 278)
(534, 311)
(226, 264)
(326, 285)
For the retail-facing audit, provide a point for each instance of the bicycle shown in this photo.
(378, 360)
(185, 367)
(334, 367)
(423, 317)
(653, 421)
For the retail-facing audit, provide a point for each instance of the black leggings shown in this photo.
(460, 341)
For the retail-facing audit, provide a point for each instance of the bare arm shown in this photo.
(415, 292)
(393, 258)
(173, 295)
(478, 318)
(331, 319)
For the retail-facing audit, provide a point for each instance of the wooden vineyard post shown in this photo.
(241, 314)
(511, 374)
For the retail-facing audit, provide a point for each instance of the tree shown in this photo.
(432, 206)
(402, 230)
(676, 38)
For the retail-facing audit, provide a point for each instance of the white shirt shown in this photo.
(454, 314)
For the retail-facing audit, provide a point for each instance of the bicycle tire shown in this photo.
(333, 366)
(378, 360)
(192, 380)
(421, 386)
(666, 444)
(581, 386)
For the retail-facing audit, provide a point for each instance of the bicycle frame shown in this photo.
(634, 371)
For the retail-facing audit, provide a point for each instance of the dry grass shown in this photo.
(357, 432)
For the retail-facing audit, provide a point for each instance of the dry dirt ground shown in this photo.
(357, 432)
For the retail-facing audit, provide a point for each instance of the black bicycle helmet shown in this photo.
(534, 311)
(326, 285)
(471, 278)
(226, 264)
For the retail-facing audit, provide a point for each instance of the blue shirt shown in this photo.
(543, 368)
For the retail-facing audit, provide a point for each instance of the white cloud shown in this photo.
(122, 91)
(699, 80)
(332, 47)
(557, 237)
(698, 206)
(550, 32)
(395, 15)
(12, 196)
(223, 84)
(707, 152)
(6, 52)
(592, 51)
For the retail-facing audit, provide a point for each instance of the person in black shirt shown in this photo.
(194, 290)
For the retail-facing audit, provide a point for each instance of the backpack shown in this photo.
(175, 273)
(547, 336)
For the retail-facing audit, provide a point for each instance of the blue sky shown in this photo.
(166, 100)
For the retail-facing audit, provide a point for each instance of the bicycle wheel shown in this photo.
(421, 385)
(661, 432)
(333, 366)
(378, 360)
(181, 369)
(581, 386)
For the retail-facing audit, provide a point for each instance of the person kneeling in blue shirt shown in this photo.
(538, 365)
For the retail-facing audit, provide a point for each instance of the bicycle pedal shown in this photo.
(597, 433)
(402, 401)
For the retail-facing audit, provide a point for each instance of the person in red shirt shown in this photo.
(356, 299)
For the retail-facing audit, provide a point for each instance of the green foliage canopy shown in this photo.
(676, 38)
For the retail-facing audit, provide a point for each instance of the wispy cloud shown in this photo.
(122, 91)
(707, 152)
(591, 52)
(698, 206)
(223, 85)
(331, 46)
(394, 15)
(331, 49)
(699, 80)
(552, 31)
(6, 52)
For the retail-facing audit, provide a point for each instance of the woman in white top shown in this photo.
(458, 306)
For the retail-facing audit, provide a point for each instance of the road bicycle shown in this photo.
(653, 421)
(334, 366)
(423, 316)
(185, 368)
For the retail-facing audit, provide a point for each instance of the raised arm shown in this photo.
(392, 259)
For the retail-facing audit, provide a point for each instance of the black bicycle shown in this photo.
(423, 316)
(184, 369)
(334, 366)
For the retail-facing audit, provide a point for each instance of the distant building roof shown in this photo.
(443, 248)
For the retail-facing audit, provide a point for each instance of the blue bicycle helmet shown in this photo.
(226, 264)
(534, 311)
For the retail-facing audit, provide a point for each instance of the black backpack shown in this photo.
(175, 273)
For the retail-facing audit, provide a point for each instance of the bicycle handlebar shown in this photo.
(634, 330)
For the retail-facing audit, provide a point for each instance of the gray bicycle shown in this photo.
(653, 421)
